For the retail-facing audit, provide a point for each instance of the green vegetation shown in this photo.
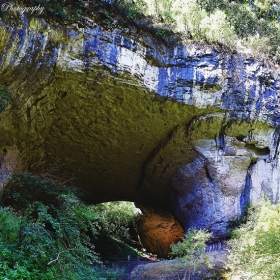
(112, 249)
(255, 245)
(253, 24)
(191, 250)
(48, 233)
(4, 98)
(116, 229)
(115, 219)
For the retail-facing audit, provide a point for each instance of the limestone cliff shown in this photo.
(190, 128)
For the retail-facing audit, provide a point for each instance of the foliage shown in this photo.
(46, 232)
(132, 9)
(217, 29)
(112, 249)
(25, 188)
(4, 98)
(162, 32)
(191, 250)
(254, 249)
(225, 21)
(71, 11)
(254, 23)
(116, 230)
(115, 219)
(188, 16)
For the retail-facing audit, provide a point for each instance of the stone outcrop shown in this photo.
(190, 128)
(174, 269)
(157, 230)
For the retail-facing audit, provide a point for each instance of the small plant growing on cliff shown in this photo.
(191, 250)
(4, 98)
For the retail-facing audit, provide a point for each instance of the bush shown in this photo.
(217, 29)
(115, 219)
(191, 250)
(45, 232)
(254, 249)
(188, 16)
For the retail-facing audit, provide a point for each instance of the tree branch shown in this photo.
(57, 257)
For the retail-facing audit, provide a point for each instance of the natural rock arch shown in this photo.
(139, 121)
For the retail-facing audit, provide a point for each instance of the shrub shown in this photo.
(45, 231)
(188, 16)
(254, 249)
(115, 219)
(191, 250)
(217, 29)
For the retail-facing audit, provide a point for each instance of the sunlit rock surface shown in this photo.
(189, 128)
(157, 230)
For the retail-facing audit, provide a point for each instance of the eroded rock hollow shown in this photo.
(188, 128)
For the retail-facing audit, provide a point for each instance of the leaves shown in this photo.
(45, 230)
(256, 245)
(115, 219)
(191, 250)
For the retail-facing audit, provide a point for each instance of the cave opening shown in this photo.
(141, 231)
(117, 237)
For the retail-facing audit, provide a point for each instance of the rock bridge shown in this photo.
(188, 129)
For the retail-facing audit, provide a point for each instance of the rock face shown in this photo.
(191, 128)
(157, 230)
(214, 187)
